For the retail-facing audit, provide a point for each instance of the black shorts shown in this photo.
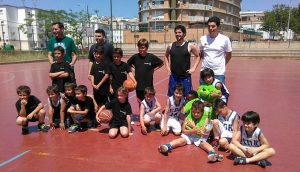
(118, 124)
(140, 94)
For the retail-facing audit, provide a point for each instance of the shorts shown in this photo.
(172, 123)
(223, 132)
(193, 139)
(33, 119)
(140, 94)
(147, 116)
(118, 124)
(186, 81)
(100, 99)
(80, 117)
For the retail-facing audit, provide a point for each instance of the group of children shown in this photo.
(201, 118)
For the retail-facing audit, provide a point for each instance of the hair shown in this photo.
(81, 88)
(207, 72)
(60, 24)
(193, 94)
(52, 88)
(143, 42)
(181, 27)
(23, 89)
(123, 90)
(99, 48)
(70, 84)
(219, 103)
(101, 31)
(60, 48)
(149, 90)
(179, 87)
(251, 116)
(214, 19)
(198, 105)
(118, 51)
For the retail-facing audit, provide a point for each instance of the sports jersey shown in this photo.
(119, 110)
(98, 70)
(58, 67)
(149, 106)
(224, 90)
(88, 104)
(56, 107)
(228, 122)
(180, 59)
(119, 74)
(32, 103)
(175, 109)
(250, 140)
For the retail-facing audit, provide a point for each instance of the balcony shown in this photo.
(200, 7)
(198, 18)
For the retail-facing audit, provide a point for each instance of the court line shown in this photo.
(14, 158)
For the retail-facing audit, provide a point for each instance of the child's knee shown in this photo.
(223, 142)
(157, 116)
(42, 112)
(112, 133)
(231, 147)
(271, 151)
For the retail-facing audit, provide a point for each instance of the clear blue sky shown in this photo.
(128, 8)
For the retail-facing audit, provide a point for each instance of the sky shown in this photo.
(128, 8)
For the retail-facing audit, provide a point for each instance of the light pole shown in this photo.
(288, 28)
(2, 22)
(111, 24)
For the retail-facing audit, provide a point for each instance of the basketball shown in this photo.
(105, 116)
(129, 84)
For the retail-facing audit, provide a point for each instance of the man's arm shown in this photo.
(196, 53)
(74, 58)
(50, 58)
(228, 57)
(166, 59)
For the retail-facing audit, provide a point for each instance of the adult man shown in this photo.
(100, 38)
(178, 61)
(215, 49)
(67, 43)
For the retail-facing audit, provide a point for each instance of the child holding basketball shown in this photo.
(144, 64)
(100, 77)
(119, 71)
(55, 112)
(60, 70)
(225, 125)
(193, 131)
(149, 110)
(121, 111)
(249, 144)
(83, 111)
(173, 110)
(30, 109)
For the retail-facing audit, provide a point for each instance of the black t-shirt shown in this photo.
(57, 67)
(180, 59)
(144, 69)
(108, 52)
(70, 100)
(119, 110)
(119, 74)
(88, 104)
(99, 70)
(32, 103)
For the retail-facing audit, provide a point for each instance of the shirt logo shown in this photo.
(101, 71)
(148, 63)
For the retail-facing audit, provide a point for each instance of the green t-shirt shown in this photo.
(65, 42)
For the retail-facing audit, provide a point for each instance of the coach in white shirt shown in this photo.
(215, 49)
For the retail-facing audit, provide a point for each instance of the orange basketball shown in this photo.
(129, 84)
(105, 116)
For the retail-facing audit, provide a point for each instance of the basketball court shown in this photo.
(268, 86)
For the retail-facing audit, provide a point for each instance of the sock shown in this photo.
(169, 146)
(211, 152)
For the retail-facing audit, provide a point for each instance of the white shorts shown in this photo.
(171, 123)
(193, 139)
(149, 117)
(223, 132)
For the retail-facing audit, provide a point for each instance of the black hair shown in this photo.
(52, 88)
(101, 31)
(118, 51)
(219, 103)
(81, 88)
(60, 48)
(198, 105)
(149, 90)
(143, 42)
(99, 48)
(70, 84)
(214, 19)
(60, 24)
(207, 72)
(251, 116)
(179, 87)
(193, 93)
(181, 27)
(23, 89)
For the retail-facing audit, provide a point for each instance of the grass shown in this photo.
(23, 56)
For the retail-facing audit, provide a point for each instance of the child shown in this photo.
(121, 110)
(189, 99)
(172, 112)
(226, 124)
(149, 110)
(119, 71)
(194, 132)
(83, 111)
(30, 109)
(55, 112)
(68, 99)
(100, 77)
(144, 64)
(249, 144)
(60, 70)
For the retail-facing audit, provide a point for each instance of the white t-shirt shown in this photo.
(214, 52)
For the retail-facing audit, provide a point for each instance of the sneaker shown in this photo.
(25, 130)
(132, 122)
(43, 127)
(157, 127)
(214, 143)
(262, 163)
(163, 149)
(239, 161)
(214, 157)
(73, 128)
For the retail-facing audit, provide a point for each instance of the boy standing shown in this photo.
(249, 144)
(144, 64)
(30, 109)
(60, 70)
